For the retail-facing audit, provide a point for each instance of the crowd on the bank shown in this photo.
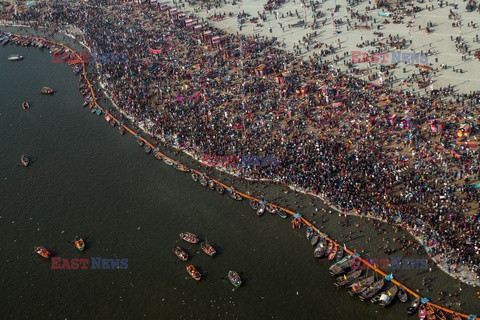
(365, 148)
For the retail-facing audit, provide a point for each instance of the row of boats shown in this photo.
(43, 252)
(189, 237)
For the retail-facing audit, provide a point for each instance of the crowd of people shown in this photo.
(362, 147)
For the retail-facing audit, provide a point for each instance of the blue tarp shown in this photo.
(297, 215)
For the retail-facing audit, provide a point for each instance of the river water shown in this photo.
(85, 179)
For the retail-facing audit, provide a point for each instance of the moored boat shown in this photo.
(348, 279)
(372, 290)
(121, 130)
(158, 155)
(402, 295)
(253, 204)
(333, 253)
(79, 243)
(25, 105)
(234, 195)
(309, 232)
(329, 249)
(260, 210)
(360, 286)
(441, 315)
(147, 149)
(387, 297)
(203, 181)
(414, 306)
(42, 252)
(140, 142)
(189, 237)
(422, 312)
(208, 249)
(281, 214)
(339, 254)
(234, 278)
(46, 90)
(341, 266)
(192, 271)
(220, 189)
(180, 167)
(376, 298)
(271, 210)
(168, 162)
(314, 239)
(456, 316)
(211, 185)
(195, 176)
(25, 160)
(430, 313)
(112, 123)
(320, 248)
(182, 255)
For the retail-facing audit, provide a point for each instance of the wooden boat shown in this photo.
(147, 149)
(281, 214)
(211, 185)
(387, 297)
(112, 123)
(189, 237)
(192, 271)
(260, 210)
(182, 255)
(234, 278)
(422, 312)
(430, 313)
(46, 90)
(402, 295)
(314, 239)
(339, 254)
(271, 210)
(195, 176)
(341, 266)
(220, 189)
(236, 196)
(414, 306)
(158, 155)
(376, 298)
(25, 160)
(348, 279)
(333, 253)
(372, 290)
(168, 162)
(309, 232)
(79, 243)
(456, 316)
(42, 252)
(441, 315)
(329, 249)
(360, 286)
(253, 204)
(25, 105)
(320, 248)
(180, 167)
(208, 249)
(203, 181)
(140, 142)
(121, 129)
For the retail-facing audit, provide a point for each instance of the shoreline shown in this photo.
(466, 276)
(144, 128)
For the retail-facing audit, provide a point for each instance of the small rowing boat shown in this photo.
(372, 290)
(140, 142)
(147, 149)
(203, 181)
(195, 176)
(234, 278)
(441, 315)
(158, 155)
(79, 243)
(180, 167)
(329, 249)
(430, 313)
(309, 232)
(192, 271)
(402, 295)
(314, 239)
(42, 252)
(339, 254)
(341, 266)
(189, 237)
(15, 57)
(281, 214)
(333, 253)
(25, 105)
(456, 316)
(112, 123)
(271, 210)
(182, 255)
(25, 160)
(208, 249)
(320, 248)
(260, 210)
(211, 185)
(220, 189)
(235, 196)
(360, 286)
(253, 204)
(414, 306)
(46, 90)
(347, 279)
(168, 162)
(422, 312)
(121, 130)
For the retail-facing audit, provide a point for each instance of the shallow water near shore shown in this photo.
(85, 179)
